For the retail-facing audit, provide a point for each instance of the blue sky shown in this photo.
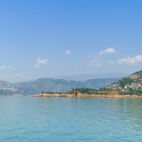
(47, 38)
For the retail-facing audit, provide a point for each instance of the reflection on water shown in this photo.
(27, 119)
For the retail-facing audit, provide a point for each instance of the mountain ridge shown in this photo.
(50, 84)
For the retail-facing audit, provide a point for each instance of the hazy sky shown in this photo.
(45, 38)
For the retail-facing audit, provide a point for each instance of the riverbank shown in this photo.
(86, 96)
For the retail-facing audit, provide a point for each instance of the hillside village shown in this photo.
(129, 85)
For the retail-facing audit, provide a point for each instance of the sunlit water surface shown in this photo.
(26, 119)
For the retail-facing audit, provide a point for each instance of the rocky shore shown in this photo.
(79, 95)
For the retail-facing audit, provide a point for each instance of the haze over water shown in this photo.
(25, 119)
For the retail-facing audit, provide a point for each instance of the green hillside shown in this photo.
(131, 85)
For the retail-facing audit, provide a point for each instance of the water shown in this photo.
(26, 119)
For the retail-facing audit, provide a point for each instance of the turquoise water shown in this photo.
(25, 119)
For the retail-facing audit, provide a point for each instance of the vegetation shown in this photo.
(125, 81)
(82, 91)
(50, 92)
(132, 92)
(131, 85)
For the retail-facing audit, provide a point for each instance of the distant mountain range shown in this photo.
(85, 77)
(131, 84)
(48, 84)
(7, 88)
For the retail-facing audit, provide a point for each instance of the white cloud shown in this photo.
(108, 51)
(68, 52)
(5, 67)
(41, 62)
(131, 60)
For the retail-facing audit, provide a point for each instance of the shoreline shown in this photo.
(85, 96)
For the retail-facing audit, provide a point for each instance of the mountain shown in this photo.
(131, 84)
(85, 77)
(60, 85)
(128, 85)
(48, 84)
(7, 88)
